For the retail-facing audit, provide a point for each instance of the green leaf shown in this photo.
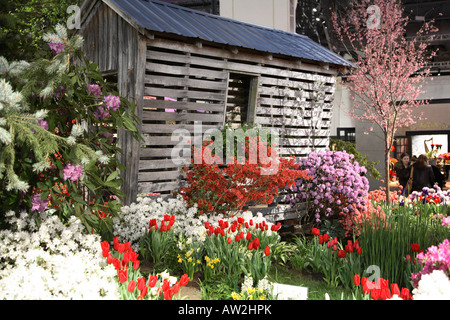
(112, 176)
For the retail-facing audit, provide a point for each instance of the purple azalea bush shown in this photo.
(337, 184)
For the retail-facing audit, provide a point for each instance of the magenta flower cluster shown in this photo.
(72, 172)
(109, 102)
(56, 47)
(444, 195)
(112, 102)
(435, 258)
(38, 204)
(338, 184)
(94, 89)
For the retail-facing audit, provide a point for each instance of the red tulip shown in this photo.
(385, 294)
(123, 276)
(375, 294)
(326, 237)
(365, 287)
(267, 251)
(166, 285)
(415, 247)
(320, 239)
(131, 286)
(184, 280)
(395, 289)
(168, 294)
(248, 236)
(228, 240)
(141, 284)
(176, 288)
(105, 248)
(356, 280)
(256, 243)
(341, 254)
(315, 231)
(116, 263)
(152, 281)
(144, 292)
(116, 243)
(404, 294)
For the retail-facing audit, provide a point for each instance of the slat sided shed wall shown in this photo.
(187, 69)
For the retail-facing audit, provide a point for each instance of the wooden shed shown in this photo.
(182, 66)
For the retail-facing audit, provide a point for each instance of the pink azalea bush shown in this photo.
(338, 184)
(435, 258)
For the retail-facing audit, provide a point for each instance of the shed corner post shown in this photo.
(133, 165)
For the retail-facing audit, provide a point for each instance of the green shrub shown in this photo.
(387, 243)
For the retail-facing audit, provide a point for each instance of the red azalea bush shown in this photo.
(226, 189)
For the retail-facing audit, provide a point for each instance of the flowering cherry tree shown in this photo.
(389, 67)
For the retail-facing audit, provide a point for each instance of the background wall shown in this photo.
(278, 14)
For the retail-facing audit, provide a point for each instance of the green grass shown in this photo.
(316, 288)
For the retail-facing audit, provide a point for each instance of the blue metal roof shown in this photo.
(169, 18)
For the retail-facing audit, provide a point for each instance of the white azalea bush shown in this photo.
(53, 261)
(133, 220)
(433, 286)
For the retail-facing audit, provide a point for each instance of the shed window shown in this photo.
(241, 99)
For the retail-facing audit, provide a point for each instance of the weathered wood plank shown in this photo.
(176, 116)
(160, 175)
(184, 94)
(320, 122)
(158, 164)
(180, 70)
(297, 83)
(294, 93)
(147, 187)
(283, 102)
(296, 111)
(182, 105)
(169, 81)
(156, 152)
(170, 128)
(169, 140)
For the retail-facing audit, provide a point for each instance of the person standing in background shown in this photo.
(423, 175)
(402, 170)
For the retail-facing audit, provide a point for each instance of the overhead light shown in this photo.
(439, 72)
(317, 19)
(314, 10)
